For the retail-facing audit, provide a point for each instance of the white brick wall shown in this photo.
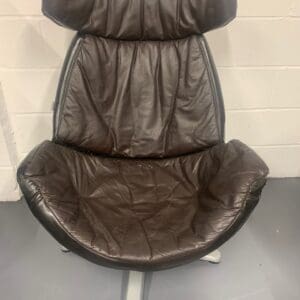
(8, 155)
(259, 66)
(257, 57)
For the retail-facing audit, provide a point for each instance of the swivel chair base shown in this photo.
(135, 286)
(64, 249)
(136, 280)
(213, 257)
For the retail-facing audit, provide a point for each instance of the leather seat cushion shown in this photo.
(142, 213)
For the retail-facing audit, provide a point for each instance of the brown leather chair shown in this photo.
(138, 175)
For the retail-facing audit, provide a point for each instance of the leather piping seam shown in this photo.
(61, 83)
(142, 18)
(170, 119)
(215, 74)
(65, 84)
(90, 19)
(212, 85)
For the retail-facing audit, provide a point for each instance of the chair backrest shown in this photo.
(139, 80)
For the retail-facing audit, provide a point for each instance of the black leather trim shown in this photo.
(63, 81)
(215, 86)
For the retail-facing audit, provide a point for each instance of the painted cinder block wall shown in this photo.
(258, 58)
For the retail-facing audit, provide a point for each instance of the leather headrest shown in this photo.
(141, 19)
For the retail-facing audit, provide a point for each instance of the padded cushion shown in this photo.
(139, 99)
(141, 19)
(142, 214)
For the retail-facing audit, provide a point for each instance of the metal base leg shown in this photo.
(135, 287)
(214, 257)
(64, 249)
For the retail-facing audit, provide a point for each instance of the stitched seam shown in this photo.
(142, 17)
(134, 57)
(92, 102)
(212, 86)
(66, 83)
(107, 16)
(174, 101)
(91, 13)
(178, 17)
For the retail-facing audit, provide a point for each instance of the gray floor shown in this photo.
(262, 262)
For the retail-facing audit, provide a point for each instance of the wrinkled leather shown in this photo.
(137, 175)
(151, 214)
(140, 99)
(141, 19)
